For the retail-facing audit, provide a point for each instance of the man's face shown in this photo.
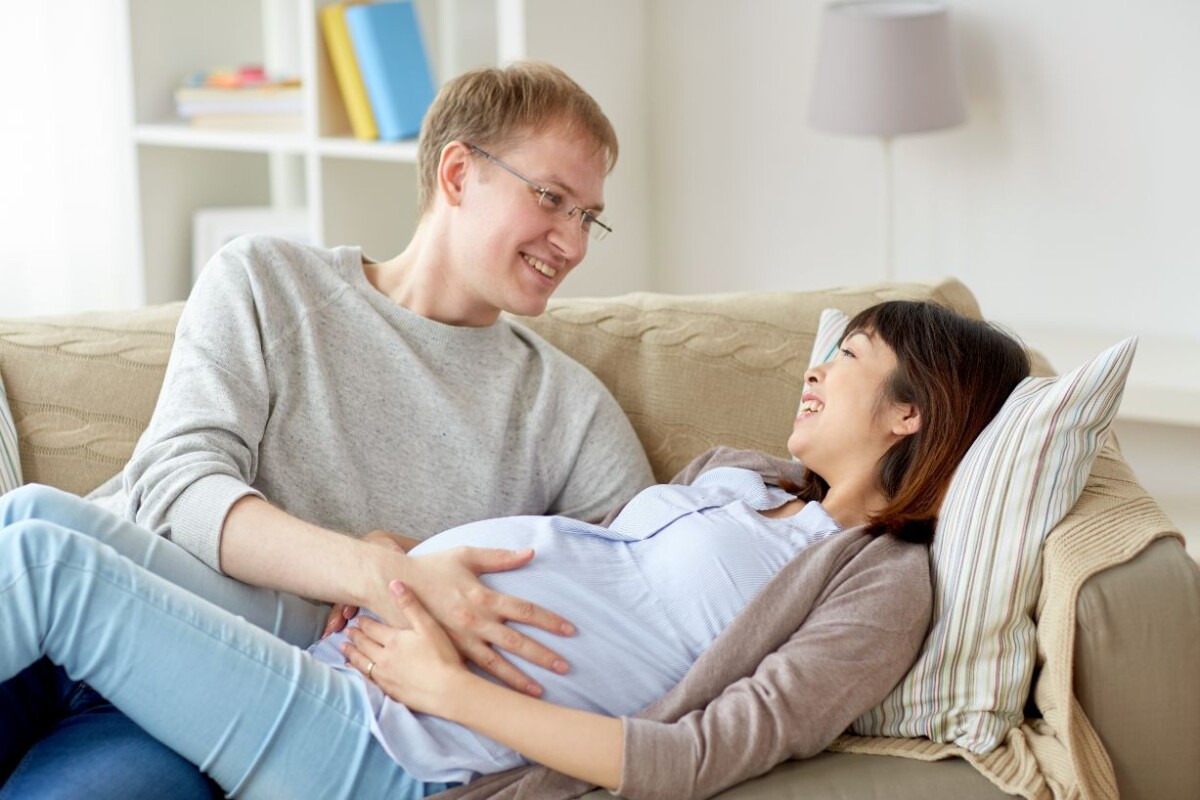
(518, 252)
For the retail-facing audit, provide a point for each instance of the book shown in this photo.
(345, 70)
(190, 101)
(282, 123)
(391, 56)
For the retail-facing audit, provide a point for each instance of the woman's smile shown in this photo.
(810, 404)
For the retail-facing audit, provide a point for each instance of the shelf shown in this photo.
(1164, 382)
(347, 147)
(180, 134)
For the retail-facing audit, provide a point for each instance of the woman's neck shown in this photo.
(852, 504)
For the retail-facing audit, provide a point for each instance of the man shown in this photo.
(318, 405)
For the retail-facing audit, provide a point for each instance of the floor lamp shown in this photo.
(886, 68)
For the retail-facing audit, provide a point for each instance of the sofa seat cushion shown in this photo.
(846, 776)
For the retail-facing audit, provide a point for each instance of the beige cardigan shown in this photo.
(825, 640)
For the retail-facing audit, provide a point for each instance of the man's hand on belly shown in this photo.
(474, 616)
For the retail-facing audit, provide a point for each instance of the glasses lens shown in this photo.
(597, 227)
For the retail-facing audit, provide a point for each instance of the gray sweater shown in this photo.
(826, 639)
(292, 378)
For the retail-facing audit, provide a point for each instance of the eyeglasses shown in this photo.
(589, 221)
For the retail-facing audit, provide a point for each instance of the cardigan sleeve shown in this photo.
(851, 650)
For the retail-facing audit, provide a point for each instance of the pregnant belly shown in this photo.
(626, 652)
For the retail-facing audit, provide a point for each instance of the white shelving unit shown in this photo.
(353, 191)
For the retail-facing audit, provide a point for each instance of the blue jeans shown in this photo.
(59, 739)
(199, 661)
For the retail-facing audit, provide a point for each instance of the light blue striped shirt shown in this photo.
(647, 594)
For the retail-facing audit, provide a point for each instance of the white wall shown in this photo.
(577, 36)
(1075, 178)
(1070, 197)
(66, 241)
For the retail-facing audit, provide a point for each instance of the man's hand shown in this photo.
(341, 613)
(474, 616)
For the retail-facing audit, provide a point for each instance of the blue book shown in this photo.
(391, 56)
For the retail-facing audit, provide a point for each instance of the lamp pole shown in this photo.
(886, 210)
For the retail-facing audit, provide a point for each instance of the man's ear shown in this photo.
(907, 420)
(453, 166)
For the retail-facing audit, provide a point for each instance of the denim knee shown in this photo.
(31, 501)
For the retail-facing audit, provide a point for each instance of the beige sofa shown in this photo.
(695, 371)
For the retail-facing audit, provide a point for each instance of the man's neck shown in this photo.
(418, 280)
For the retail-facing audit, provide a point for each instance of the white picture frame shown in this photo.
(213, 228)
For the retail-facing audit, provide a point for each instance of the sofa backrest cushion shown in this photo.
(82, 389)
(691, 371)
(695, 371)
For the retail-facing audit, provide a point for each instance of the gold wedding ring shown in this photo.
(370, 669)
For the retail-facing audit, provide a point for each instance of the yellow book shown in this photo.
(345, 68)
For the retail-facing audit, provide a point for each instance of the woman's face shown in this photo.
(514, 253)
(845, 426)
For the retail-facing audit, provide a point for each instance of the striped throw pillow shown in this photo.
(10, 463)
(1020, 477)
(829, 335)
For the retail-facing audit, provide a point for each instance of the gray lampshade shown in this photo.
(886, 68)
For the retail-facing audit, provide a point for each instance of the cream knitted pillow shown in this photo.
(1020, 477)
(10, 462)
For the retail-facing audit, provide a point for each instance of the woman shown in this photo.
(684, 593)
(315, 396)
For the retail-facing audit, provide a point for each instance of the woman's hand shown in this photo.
(416, 665)
(341, 613)
(474, 616)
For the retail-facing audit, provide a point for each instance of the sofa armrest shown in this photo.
(1137, 650)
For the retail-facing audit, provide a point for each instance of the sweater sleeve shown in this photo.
(846, 656)
(610, 466)
(199, 454)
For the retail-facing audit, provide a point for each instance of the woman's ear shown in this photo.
(907, 420)
(452, 171)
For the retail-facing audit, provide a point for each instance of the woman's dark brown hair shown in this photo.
(958, 372)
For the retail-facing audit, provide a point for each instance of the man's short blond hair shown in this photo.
(492, 107)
